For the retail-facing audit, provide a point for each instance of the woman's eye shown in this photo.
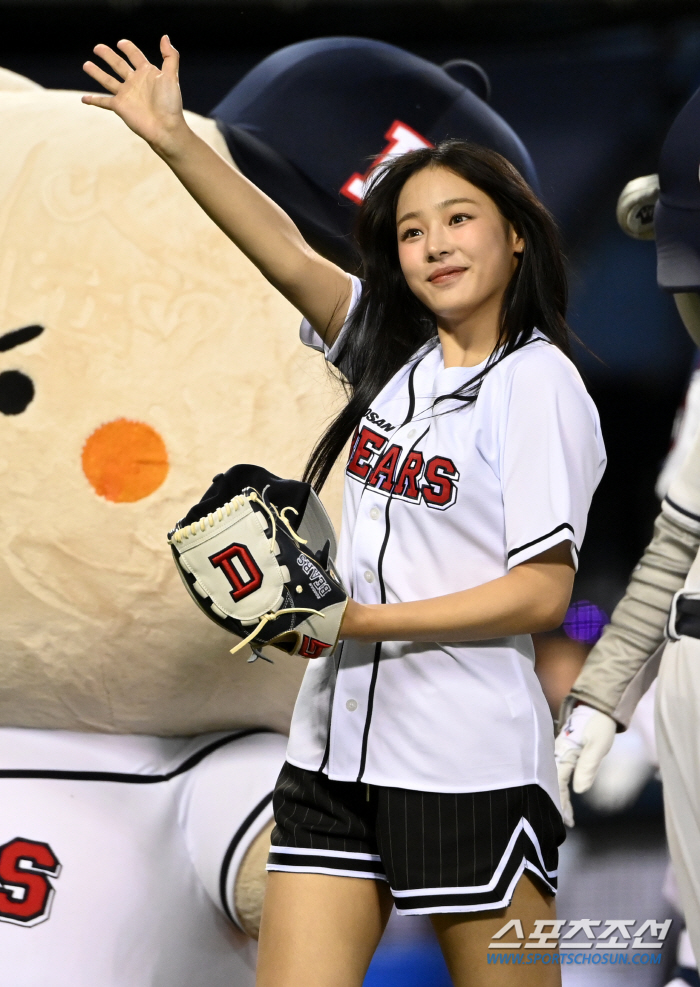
(460, 217)
(410, 234)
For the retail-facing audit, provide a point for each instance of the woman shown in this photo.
(420, 766)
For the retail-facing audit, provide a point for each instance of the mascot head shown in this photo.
(307, 123)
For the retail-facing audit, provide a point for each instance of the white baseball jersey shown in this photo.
(441, 498)
(685, 428)
(118, 856)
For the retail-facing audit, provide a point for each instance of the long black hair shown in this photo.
(389, 323)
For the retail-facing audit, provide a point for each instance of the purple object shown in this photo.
(585, 621)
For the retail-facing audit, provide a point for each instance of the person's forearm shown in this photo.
(619, 659)
(256, 224)
(527, 600)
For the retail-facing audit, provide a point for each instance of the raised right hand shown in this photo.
(148, 98)
(583, 742)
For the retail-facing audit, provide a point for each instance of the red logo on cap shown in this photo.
(402, 138)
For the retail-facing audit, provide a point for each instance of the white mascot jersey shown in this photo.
(118, 859)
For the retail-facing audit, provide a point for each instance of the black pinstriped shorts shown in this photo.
(440, 852)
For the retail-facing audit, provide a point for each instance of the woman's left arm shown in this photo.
(532, 597)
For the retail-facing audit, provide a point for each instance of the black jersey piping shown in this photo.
(377, 652)
(134, 779)
(409, 415)
(370, 702)
(411, 394)
(231, 849)
(681, 510)
(327, 751)
(458, 396)
(382, 590)
(521, 548)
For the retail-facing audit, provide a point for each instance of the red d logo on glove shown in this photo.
(240, 568)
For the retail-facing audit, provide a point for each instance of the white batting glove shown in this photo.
(583, 742)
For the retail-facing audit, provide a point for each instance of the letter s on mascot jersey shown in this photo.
(140, 353)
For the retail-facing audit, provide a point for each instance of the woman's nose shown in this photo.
(437, 244)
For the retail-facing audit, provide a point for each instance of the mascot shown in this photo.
(140, 353)
(655, 626)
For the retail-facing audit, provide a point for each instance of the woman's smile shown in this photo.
(446, 275)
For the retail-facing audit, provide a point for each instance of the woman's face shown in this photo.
(456, 250)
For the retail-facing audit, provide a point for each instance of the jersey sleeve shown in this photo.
(552, 455)
(682, 500)
(228, 801)
(334, 353)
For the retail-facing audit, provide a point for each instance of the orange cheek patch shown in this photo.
(125, 461)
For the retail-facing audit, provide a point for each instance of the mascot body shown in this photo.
(128, 323)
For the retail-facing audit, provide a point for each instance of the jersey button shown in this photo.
(351, 705)
(374, 513)
(412, 433)
(369, 576)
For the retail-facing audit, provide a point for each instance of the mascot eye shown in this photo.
(16, 388)
(16, 392)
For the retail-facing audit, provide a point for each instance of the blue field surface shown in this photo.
(403, 965)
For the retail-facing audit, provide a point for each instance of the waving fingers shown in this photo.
(146, 98)
(171, 56)
(104, 78)
(134, 54)
(115, 61)
(94, 100)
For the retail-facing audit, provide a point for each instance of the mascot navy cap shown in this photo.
(307, 122)
(677, 213)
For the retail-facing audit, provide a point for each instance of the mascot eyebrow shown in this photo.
(18, 336)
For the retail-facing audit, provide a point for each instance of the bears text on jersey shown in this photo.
(380, 466)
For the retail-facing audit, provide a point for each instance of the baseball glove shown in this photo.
(256, 555)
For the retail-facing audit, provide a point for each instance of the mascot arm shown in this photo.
(148, 100)
(249, 889)
(227, 816)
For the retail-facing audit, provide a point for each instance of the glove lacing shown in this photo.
(273, 513)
